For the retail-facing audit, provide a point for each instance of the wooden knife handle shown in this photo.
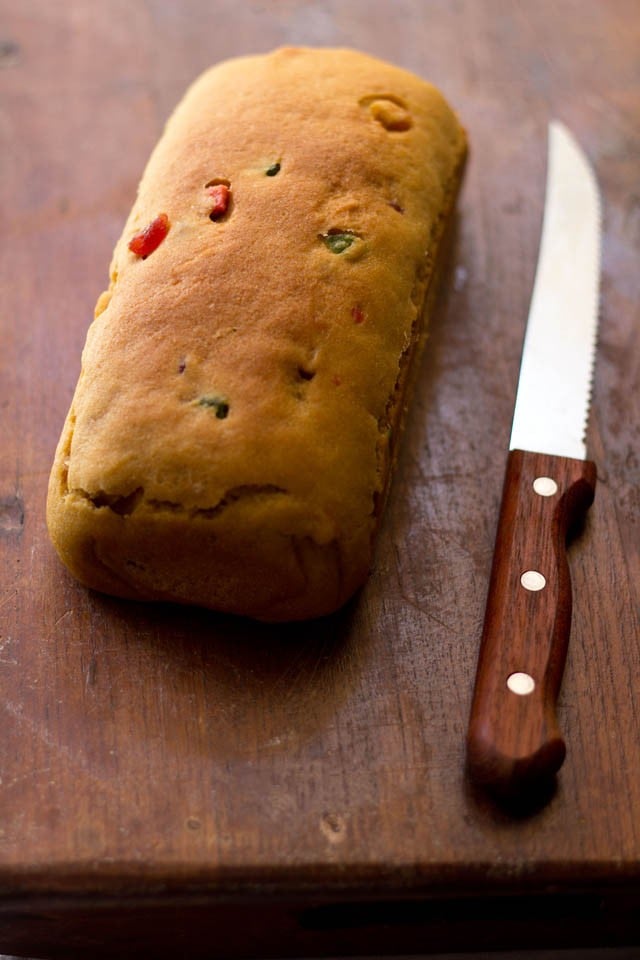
(513, 740)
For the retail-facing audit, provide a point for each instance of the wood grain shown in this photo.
(174, 781)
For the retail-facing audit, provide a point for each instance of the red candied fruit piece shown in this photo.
(357, 314)
(151, 237)
(220, 194)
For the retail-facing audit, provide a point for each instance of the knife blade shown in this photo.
(513, 739)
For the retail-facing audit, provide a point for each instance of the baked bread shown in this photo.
(231, 437)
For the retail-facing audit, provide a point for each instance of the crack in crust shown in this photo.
(425, 284)
(126, 504)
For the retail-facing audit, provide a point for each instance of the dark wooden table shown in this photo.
(178, 783)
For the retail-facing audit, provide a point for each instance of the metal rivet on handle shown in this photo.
(545, 486)
(532, 580)
(521, 683)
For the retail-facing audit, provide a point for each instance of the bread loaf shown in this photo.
(230, 440)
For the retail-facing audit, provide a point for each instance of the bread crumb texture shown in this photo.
(228, 444)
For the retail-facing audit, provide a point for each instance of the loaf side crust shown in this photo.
(230, 440)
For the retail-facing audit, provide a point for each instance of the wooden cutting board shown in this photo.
(174, 782)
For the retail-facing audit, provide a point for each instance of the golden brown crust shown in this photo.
(227, 444)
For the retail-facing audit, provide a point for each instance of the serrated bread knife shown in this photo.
(514, 741)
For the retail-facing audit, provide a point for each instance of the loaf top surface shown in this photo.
(261, 350)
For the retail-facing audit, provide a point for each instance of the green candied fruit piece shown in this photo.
(273, 170)
(217, 404)
(340, 241)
